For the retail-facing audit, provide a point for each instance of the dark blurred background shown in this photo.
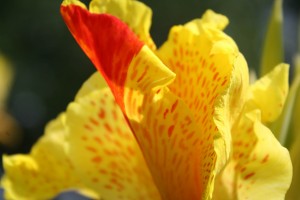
(50, 67)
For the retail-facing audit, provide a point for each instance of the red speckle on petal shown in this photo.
(249, 175)
(101, 114)
(87, 127)
(224, 82)
(98, 140)
(91, 149)
(84, 138)
(93, 121)
(243, 169)
(265, 159)
(107, 127)
(131, 151)
(170, 130)
(165, 113)
(143, 74)
(216, 76)
(95, 180)
(97, 159)
(109, 187)
(174, 106)
(103, 171)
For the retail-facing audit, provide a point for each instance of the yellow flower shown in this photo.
(178, 122)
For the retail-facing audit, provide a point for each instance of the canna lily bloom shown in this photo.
(178, 122)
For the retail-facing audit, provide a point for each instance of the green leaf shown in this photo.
(273, 47)
(293, 192)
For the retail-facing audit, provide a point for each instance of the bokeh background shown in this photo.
(50, 67)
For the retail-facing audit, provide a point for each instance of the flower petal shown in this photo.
(44, 173)
(110, 56)
(211, 19)
(228, 108)
(108, 158)
(260, 167)
(135, 14)
(180, 157)
(269, 93)
(202, 57)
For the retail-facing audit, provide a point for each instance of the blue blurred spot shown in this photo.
(70, 195)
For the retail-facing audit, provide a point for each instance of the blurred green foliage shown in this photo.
(50, 66)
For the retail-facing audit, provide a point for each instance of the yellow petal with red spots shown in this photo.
(228, 108)
(44, 173)
(203, 57)
(269, 93)
(135, 14)
(180, 157)
(260, 167)
(106, 154)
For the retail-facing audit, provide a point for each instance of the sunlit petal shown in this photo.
(135, 14)
(269, 93)
(260, 167)
(202, 57)
(108, 158)
(46, 171)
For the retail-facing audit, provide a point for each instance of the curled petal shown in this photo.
(203, 59)
(46, 171)
(108, 159)
(209, 19)
(135, 14)
(260, 168)
(111, 56)
(269, 93)
(228, 108)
